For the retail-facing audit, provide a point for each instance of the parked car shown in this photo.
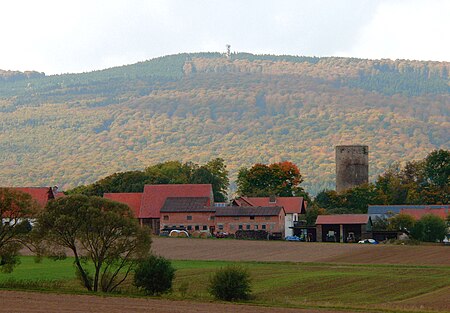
(292, 238)
(446, 240)
(369, 241)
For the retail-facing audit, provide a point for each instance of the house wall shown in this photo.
(153, 223)
(198, 221)
(289, 220)
(231, 224)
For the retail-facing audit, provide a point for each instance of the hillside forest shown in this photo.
(74, 129)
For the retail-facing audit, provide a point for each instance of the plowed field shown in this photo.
(245, 250)
(19, 302)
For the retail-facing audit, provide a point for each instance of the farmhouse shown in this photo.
(155, 196)
(343, 227)
(293, 207)
(233, 218)
(190, 213)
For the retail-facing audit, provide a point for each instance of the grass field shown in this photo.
(391, 288)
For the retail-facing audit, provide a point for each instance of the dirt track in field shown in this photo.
(18, 302)
(245, 250)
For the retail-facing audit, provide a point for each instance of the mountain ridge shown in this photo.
(73, 129)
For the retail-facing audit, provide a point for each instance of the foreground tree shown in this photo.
(154, 275)
(98, 230)
(231, 283)
(16, 208)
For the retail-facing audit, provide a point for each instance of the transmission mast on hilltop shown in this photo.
(228, 53)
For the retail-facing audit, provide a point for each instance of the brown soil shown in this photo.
(438, 300)
(245, 250)
(19, 302)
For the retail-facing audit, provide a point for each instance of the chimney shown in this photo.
(272, 199)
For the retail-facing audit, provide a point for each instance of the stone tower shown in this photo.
(352, 166)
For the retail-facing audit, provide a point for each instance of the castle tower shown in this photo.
(352, 166)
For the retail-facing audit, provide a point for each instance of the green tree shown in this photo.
(389, 186)
(280, 179)
(357, 199)
(231, 283)
(16, 208)
(215, 173)
(329, 199)
(437, 168)
(155, 275)
(430, 228)
(401, 222)
(97, 230)
(311, 215)
(171, 172)
(132, 181)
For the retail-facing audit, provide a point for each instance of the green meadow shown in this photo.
(352, 287)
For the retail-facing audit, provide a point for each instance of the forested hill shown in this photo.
(73, 129)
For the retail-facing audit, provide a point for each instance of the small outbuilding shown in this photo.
(343, 227)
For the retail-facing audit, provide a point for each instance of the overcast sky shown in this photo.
(55, 36)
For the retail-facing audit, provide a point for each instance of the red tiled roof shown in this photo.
(155, 196)
(40, 194)
(290, 204)
(339, 219)
(417, 214)
(248, 211)
(132, 199)
(187, 204)
(60, 195)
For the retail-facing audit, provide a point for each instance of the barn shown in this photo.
(343, 227)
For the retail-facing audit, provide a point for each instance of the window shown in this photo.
(166, 217)
(220, 226)
(256, 226)
(267, 218)
(189, 227)
(205, 227)
(240, 227)
(197, 227)
(236, 218)
(263, 226)
(271, 226)
(252, 217)
(211, 218)
(231, 226)
(189, 217)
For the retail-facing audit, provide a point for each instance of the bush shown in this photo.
(430, 228)
(154, 275)
(230, 283)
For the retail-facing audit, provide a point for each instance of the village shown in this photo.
(189, 210)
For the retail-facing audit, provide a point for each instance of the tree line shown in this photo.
(425, 181)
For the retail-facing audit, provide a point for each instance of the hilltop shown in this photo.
(73, 129)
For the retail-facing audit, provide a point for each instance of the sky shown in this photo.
(69, 36)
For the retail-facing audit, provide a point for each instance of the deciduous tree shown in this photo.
(16, 209)
(98, 230)
(280, 179)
